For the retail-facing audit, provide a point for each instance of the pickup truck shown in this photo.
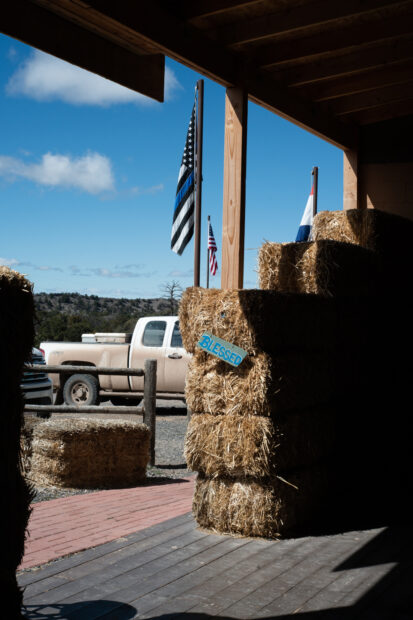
(153, 337)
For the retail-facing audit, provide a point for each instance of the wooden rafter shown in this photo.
(77, 45)
(345, 37)
(288, 20)
(344, 63)
(373, 99)
(392, 73)
(383, 112)
(205, 8)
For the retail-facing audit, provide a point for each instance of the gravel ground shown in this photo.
(171, 423)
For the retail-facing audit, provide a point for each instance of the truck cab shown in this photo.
(159, 338)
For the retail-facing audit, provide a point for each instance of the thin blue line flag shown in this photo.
(183, 219)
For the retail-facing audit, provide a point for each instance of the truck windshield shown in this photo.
(154, 333)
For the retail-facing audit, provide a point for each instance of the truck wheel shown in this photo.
(81, 390)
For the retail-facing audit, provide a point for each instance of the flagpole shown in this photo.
(315, 184)
(207, 266)
(198, 181)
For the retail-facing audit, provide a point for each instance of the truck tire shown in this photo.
(81, 390)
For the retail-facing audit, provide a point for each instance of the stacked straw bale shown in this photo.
(373, 229)
(258, 321)
(254, 446)
(323, 370)
(259, 431)
(324, 267)
(251, 507)
(16, 339)
(262, 385)
(88, 453)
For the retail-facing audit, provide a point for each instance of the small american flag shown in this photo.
(212, 247)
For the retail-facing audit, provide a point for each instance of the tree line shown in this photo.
(66, 316)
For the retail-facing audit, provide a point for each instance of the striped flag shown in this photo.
(306, 225)
(212, 247)
(183, 219)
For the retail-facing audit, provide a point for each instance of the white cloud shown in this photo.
(181, 274)
(47, 78)
(9, 262)
(109, 273)
(140, 191)
(126, 271)
(14, 262)
(91, 173)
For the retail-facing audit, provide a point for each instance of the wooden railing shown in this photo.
(149, 394)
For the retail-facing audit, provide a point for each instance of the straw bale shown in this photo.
(248, 507)
(371, 228)
(26, 439)
(87, 453)
(16, 340)
(260, 385)
(258, 320)
(237, 446)
(327, 268)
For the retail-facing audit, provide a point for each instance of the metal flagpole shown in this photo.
(198, 180)
(207, 274)
(315, 183)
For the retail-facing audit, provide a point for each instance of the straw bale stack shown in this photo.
(16, 339)
(376, 230)
(262, 385)
(234, 446)
(264, 508)
(88, 453)
(328, 268)
(258, 320)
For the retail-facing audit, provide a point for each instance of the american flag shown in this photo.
(212, 247)
(183, 219)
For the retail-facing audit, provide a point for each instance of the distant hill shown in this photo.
(66, 316)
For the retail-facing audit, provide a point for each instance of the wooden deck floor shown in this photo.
(173, 569)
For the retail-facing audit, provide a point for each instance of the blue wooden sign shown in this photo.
(222, 349)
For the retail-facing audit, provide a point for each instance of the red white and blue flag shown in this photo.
(306, 225)
(212, 248)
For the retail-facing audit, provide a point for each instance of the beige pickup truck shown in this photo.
(153, 338)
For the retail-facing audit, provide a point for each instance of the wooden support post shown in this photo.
(233, 222)
(149, 403)
(351, 180)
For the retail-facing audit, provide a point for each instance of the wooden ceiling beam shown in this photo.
(52, 34)
(363, 81)
(291, 19)
(189, 9)
(171, 36)
(361, 59)
(366, 101)
(384, 112)
(334, 40)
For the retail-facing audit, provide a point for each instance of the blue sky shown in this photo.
(88, 174)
